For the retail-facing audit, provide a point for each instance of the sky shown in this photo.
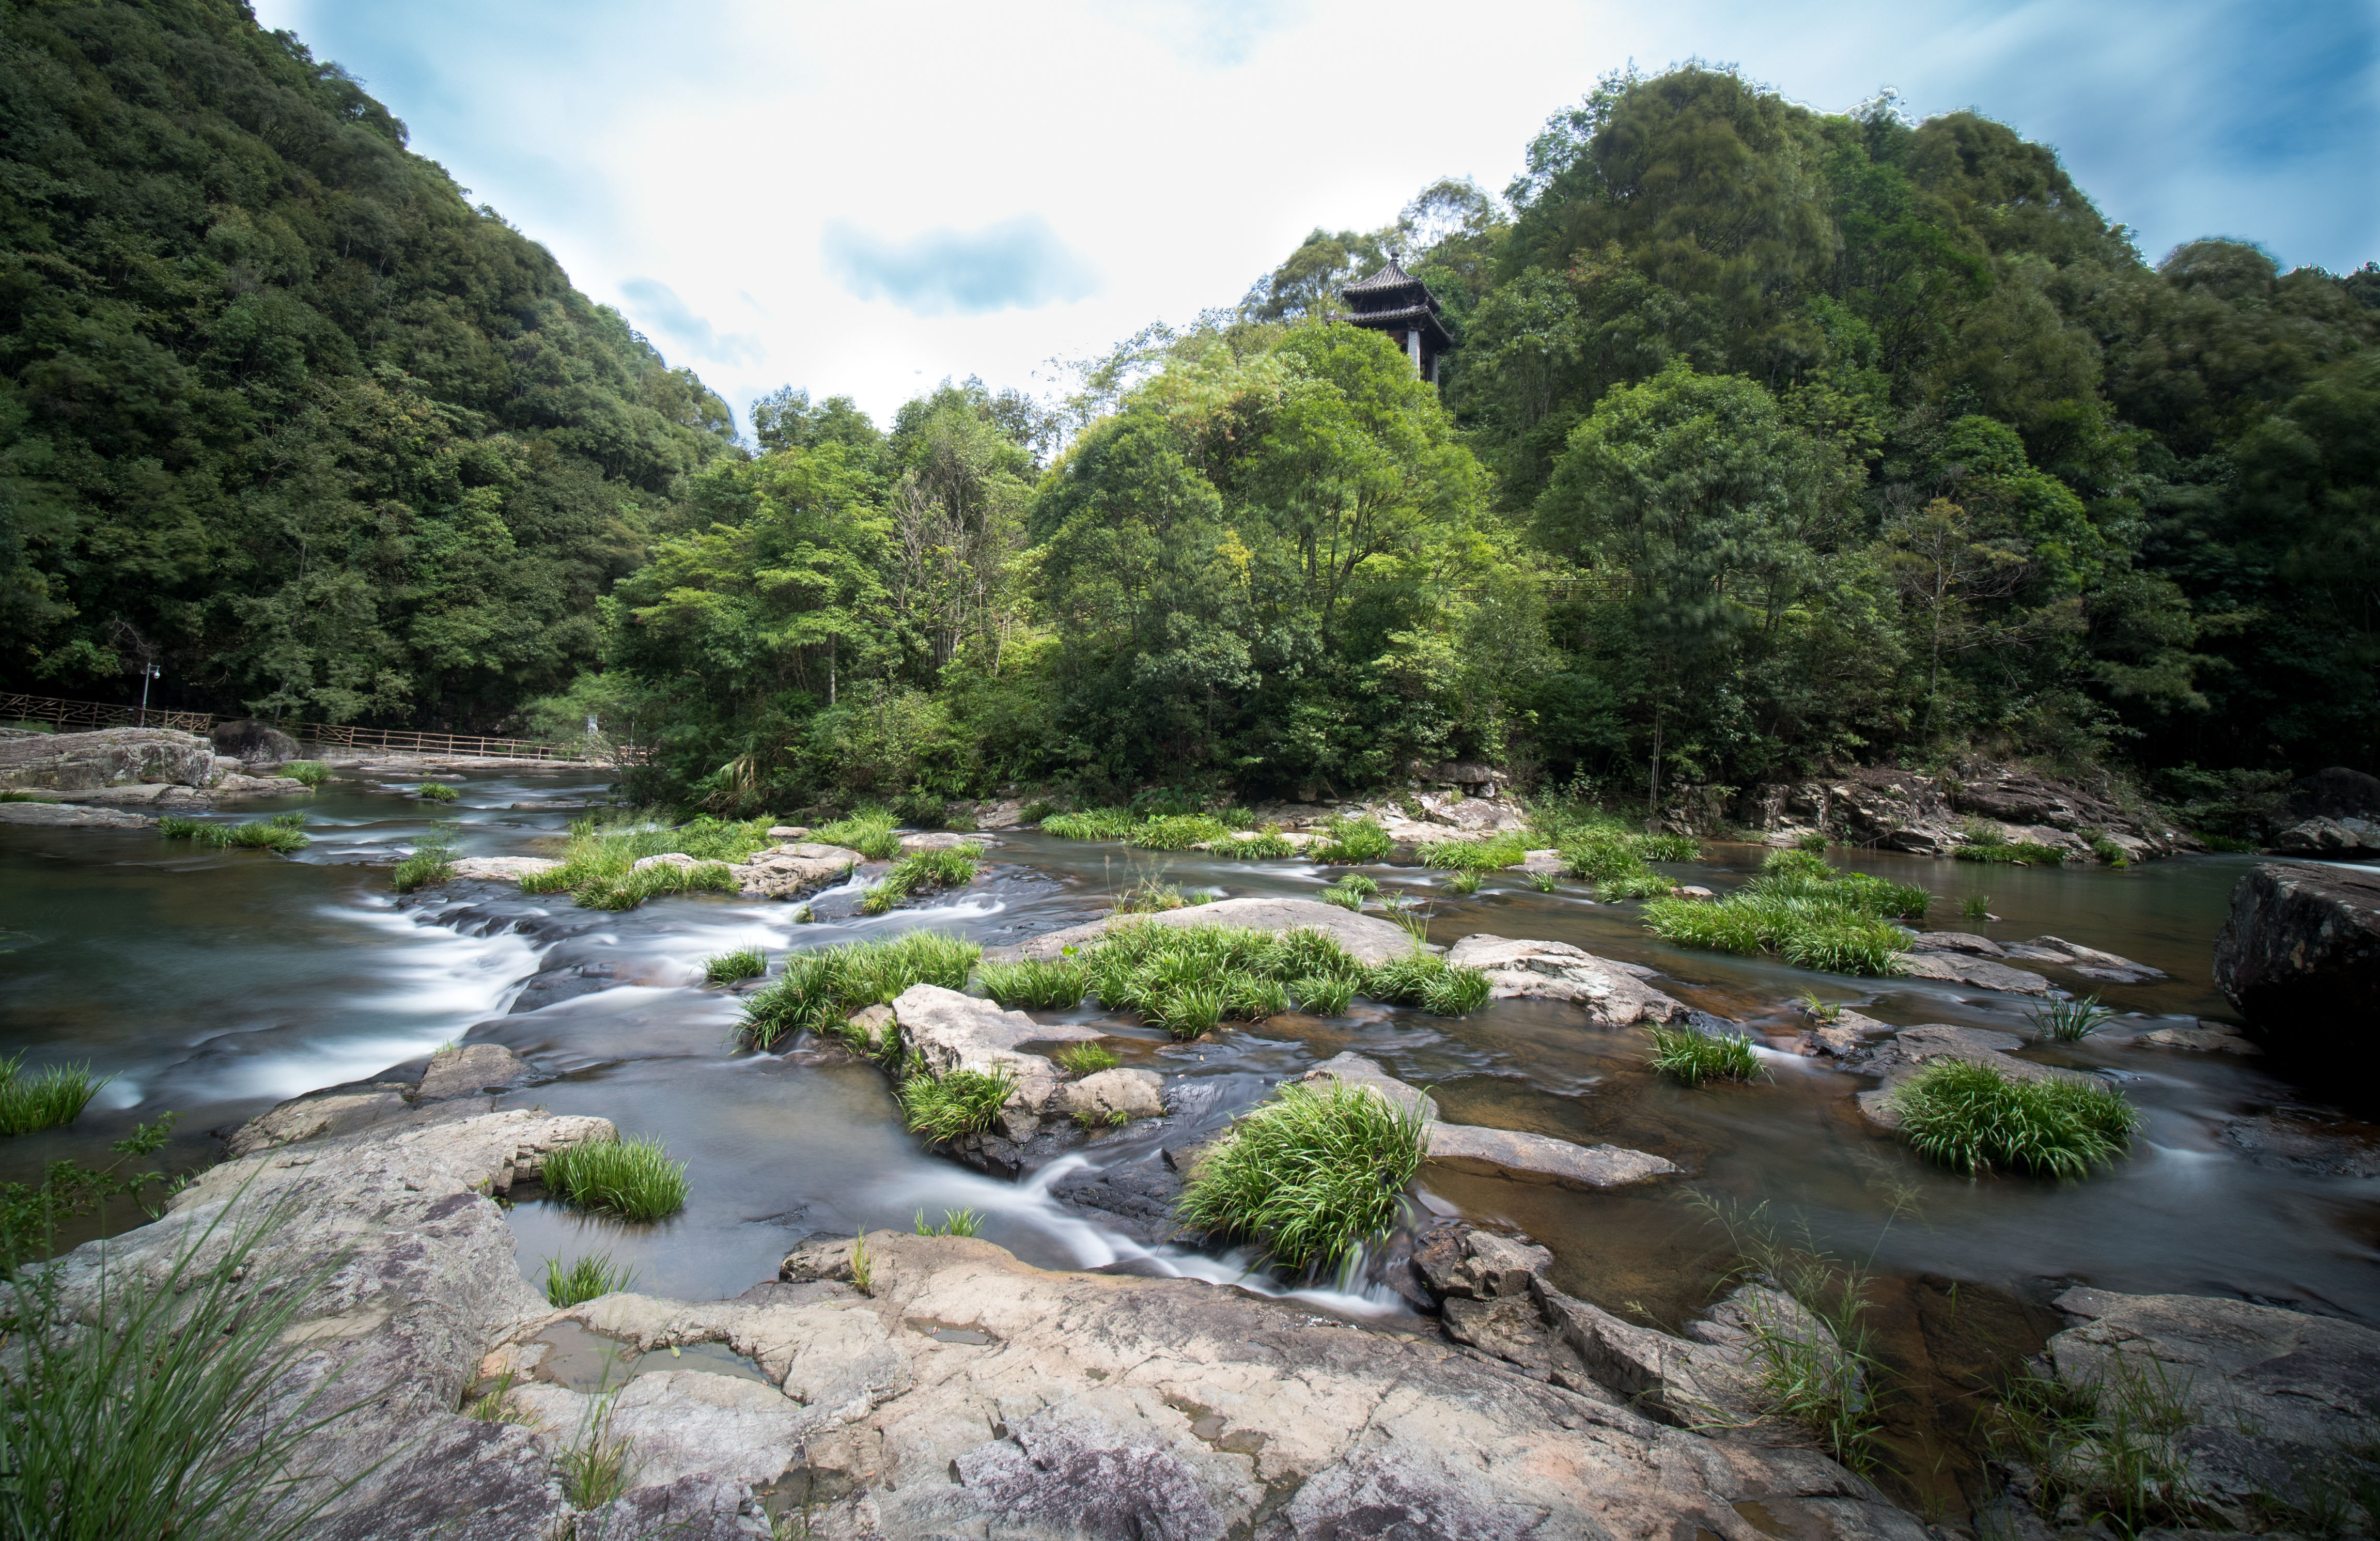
(865, 200)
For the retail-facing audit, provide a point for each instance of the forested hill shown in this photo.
(279, 410)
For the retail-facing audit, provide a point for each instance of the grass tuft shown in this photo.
(868, 830)
(436, 791)
(279, 833)
(1324, 994)
(1694, 1057)
(1309, 1176)
(1189, 979)
(1087, 1058)
(49, 1099)
(2068, 1021)
(632, 1179)
(313, 773)
(1352, 842)
(1976, 906)
(2105, 1448)
(963, 1102)
(599, 868)
(1177, 831)
(1465, 880)
(588, 1279)
(743, 963)
(1987, 843)
(1972, 1118)
(432, 861)
(1802, 910)
(1057, 985)
(1264, 845)
(818, 992)
(1149, 896)
(918, 873)
(596, 1469)
(955, 1222)
(1089, 824)
(1476, 856)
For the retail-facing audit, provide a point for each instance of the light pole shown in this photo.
(148, 671)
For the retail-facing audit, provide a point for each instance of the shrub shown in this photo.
(584, 1280)
(743, 963)
(436, 791)
(1972, 1118)
(1177, 833)
(963, 1102)
(868, 830)
(432, 861)
(1056, 985)
(1476, 856)
(1695, 1057)
(1352, 841)
(818, 992)
(1465, 880)
(313, 773)
(919, 871)
(1309, 1176)
(2069, 1020)
(632, 1179)
(1087, 1059)
(1036, 811)
(1090, 824)
(55, 1097)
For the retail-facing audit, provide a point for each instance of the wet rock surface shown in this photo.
(1612, 995)
(67, 816)
(2299, 956)
(110, 756)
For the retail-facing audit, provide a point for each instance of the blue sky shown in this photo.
(865, 199)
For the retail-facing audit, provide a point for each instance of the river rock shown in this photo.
(1709, 1379)
(1098, 1098)
(500, 869)
(2206, 1037)
(1366, 938)
(789, 831)
(234, 784)
(1956, 941)
(942, 840)
(2089, 961)
(469, 1069)
(948, 1031)
(1611, 996)
(315, 1115)
(110, 756)
(791, 871)
(2279, 1396)
(67, 816)
(1982, 973)
(1352, 1068)
(253, 741)
(2299, 956)
(667, 859)
(1913, 1048)
(2345, 837)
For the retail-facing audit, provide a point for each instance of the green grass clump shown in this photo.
(1189, 979)
(12, 794)
(868, 830)
(279, 833)
(1465, 880)
(1972, 1118)
(1695, 1057)
(1149, 897)
(436, 791)
(2105, 1445)
(1642, 883)
(819, 991)
(584, 1280)
(742, 963)
(963, 1102)
(1264, 845)
(1614, 861)
(1802, 910)
(1056, 985)
(1990, 845)
(1324, 994)
(1976, 906)
(632, 1179)
(1087, 1058)
(2069, 1020)
(56, 1096)
(1353, 840)
(1669, 847)
(313, 773)
(955, 1222)
(1476, 856)
(1428, 981)
(1090, 824)
(599, 867)
(1309, 1176)
(919, 872)
(432, 861)
(1810, 840)
(1177, 831)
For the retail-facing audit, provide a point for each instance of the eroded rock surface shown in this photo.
(1611, 996)
(790, 870)
(65, 815)
(110, 756)
(2300, 957)
(1368, 939)
(501, 869)
(1960, 969)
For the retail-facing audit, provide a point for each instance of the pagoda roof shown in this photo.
(1423, 318)
(1390, 277)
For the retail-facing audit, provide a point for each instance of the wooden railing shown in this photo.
(86, 715)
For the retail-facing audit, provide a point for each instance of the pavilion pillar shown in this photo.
(1413, 349)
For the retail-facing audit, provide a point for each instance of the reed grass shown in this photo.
(741, 963)
(1176, 832)
(1802, 910)
(279, 833)
(1346, 898)
(313, 773)
(1987, 843)
(436, 791)
(14, 794)
(167, 1405)
(1669, 847)
(1810, 840)
(1087, 1058)
(1323, 994)
(596, 1468)
(1695, 1057)
(955, 1222)
(2068, 1021)
(944, 1106)
(919, 872)
(1149, 896)
(818, 992)
(1475, 856)
(1465, 881)
(599, 868)
(588, 1278)
(1090, 824)
(2104, 1447)
(1976, 906)
(1056, 985)
(49, 1099)
(1309, 1176)
(1264, 845)
(868, 830)
(632, 1179)
(1973, 1118)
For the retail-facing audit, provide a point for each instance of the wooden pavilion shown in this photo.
(1394, 301)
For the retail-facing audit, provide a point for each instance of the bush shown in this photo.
(1352, 841)
(313, 773)
(1087, 1059)
(56, 1096)
(436, 791)
(1177, 833)
(868, 830)
(1057, 985)
(1090, 824)
(819, 991)
(1476, 856)
(432, 861)
(588, 1279)
(1309, 1176)
(632, 1179)
(1694, 1057)
(920, 871)
(963, 1102)
(726, 968)
(1972, 1118)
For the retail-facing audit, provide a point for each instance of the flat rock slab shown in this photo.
(1098, 1098)
(1956, 941)
(1610, 994)
(1353, 1069)
(942, 840)
(471, 1069)
(1366, 938)
(1956, 968)
(2213, 1039)
(64, 816)
(1541, 1158)
(501, 869)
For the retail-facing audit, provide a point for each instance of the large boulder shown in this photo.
(2335, 792)
(1368, 939)
(251, 741)
(2299, 956)
(67, 816)
(112, 757)
(2349, 836)
(1611, 994)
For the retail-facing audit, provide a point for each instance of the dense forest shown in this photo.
(1774, 439)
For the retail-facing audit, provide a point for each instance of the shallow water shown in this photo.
(215, 984)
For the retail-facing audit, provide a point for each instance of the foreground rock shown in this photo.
(65, 815)
(1613, 995)
(1366, 938)
(2299, 956)
(112, 757)
(2278, 1399)
(470, 1070)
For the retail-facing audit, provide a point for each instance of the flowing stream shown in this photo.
(215, 984)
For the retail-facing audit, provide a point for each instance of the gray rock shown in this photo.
(254, 743)
(790, 871)
(1611, 996)
(789, 831)
(942, 840)
(112, 757)
(1352, 1068)
(315, 1115)
(2207, 1038)
(1368, 938)
(667, 859)
(1099, 1097)
(469, 1070)
(1541, 1158)
(2277, 1396)
(2300, 957)
(1913, 1048)
(1956, 941)
(1465, 1263)
(501, 869)
(1982, 973)
(691, 1508)
(948, 1031)
(2344, 837)
(63, 816)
